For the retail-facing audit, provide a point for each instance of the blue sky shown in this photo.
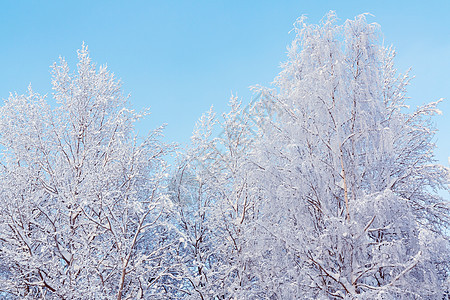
(181, 57)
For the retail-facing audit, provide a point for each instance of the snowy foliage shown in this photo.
(325, 188)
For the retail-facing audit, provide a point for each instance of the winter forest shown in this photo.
(325, 187)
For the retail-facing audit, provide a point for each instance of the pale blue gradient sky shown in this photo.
(179, 58)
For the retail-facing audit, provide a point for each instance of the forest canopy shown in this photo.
(325, 187)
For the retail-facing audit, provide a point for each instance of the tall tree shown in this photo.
(346, 175)
(82, 204)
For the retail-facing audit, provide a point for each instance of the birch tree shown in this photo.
(346, 175)
(83, 207)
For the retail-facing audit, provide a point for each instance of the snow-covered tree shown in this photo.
(82, 205)
(214, 205)
(346, 175)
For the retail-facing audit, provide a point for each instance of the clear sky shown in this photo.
(181, 57)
